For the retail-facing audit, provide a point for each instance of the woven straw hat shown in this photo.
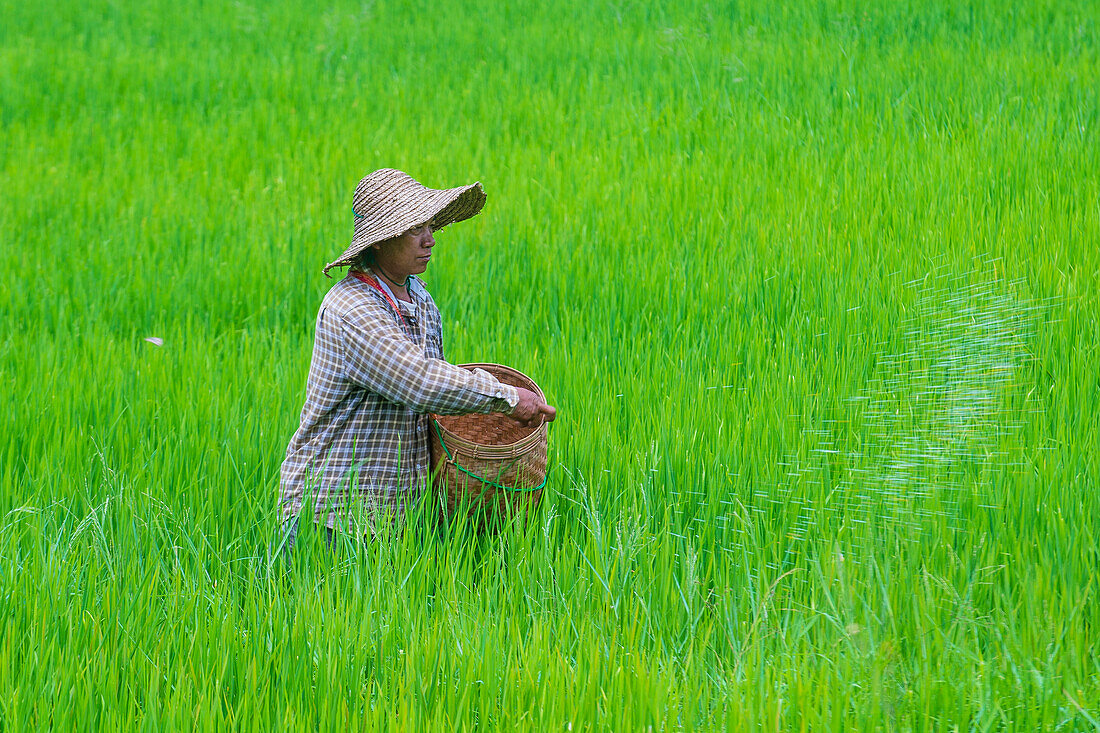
(388, 203)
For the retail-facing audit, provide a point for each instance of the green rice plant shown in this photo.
(713, 229)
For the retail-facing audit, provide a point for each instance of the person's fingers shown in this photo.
(531, 411)
(543, 413)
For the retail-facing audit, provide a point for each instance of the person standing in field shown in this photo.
(361, 450)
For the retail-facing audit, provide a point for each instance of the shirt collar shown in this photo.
(415, 288)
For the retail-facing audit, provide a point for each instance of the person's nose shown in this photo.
(429, 240)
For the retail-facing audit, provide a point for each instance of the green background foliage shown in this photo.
(694, 196)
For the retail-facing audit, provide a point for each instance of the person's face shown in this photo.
(409, 253)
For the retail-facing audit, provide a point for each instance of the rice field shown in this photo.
(813, 286)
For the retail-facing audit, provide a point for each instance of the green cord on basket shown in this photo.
(435, 424)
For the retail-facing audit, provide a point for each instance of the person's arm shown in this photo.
(529, 410)
(378, 356)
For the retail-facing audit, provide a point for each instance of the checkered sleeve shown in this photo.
(378, 356)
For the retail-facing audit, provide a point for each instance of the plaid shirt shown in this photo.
(362, 445)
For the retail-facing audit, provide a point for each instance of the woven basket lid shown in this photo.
(388, 203)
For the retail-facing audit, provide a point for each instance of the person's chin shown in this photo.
(421, 265)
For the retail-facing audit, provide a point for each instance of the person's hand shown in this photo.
(531, 411)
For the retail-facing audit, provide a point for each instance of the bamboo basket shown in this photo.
(489, 465)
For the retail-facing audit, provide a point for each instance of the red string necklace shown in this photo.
(373, 282)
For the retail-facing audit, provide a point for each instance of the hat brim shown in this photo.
(439, 207)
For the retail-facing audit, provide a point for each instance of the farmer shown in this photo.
(378, 369)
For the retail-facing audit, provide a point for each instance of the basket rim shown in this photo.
(460, 444)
